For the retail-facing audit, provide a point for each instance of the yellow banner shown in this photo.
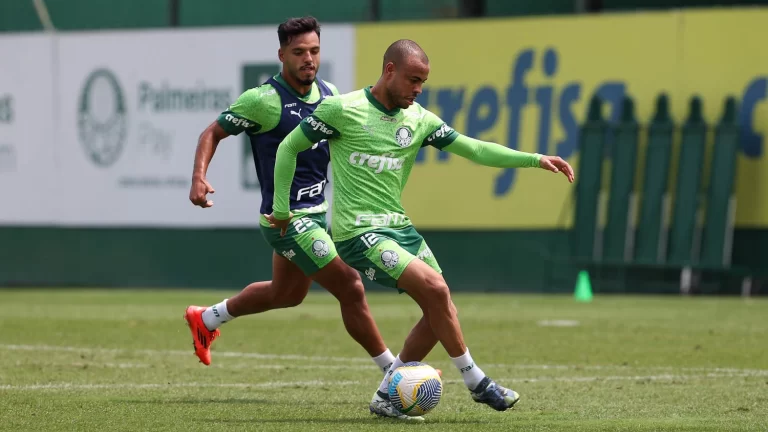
(723, 55)
(526, 83)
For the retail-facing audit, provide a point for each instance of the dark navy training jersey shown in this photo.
(267, 114)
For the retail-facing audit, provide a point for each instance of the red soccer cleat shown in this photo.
(201, 336)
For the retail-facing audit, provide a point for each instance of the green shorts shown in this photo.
(306, 242)
(382, 254)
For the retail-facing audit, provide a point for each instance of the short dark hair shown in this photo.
(402, 49)
(297, 26)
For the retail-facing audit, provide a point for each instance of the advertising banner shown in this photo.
(527, 83)
(722, 57)
(27, 122)
(132, 105)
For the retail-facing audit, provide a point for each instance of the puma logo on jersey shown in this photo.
(297, 114)
(378, 163)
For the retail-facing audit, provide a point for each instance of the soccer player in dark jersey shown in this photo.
(267, 114)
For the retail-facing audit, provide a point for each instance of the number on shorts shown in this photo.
(302, 224)
(369, 239)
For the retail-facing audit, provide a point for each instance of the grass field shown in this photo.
(108, 360)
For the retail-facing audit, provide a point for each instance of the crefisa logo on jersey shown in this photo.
(403, 136)
(102, 120)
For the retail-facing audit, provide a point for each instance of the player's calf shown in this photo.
(431, 293)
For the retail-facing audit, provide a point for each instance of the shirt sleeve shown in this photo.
(334, 90)
(285, 167)
(491, 154)
(253, 112)
(325, 121)
(440, 134)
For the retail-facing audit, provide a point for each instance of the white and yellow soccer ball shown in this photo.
(415, 388)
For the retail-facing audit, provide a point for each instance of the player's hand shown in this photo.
(199, 191)
(279, 223)
(557, 164)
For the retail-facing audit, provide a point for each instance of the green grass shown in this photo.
(122, 360)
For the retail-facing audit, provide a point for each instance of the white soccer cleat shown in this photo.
(382, 407)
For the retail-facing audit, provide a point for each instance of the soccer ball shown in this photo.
(415, 389)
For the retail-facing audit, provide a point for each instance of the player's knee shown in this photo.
(438, 291)
(290, 297)
(292, 301)
(353, 291)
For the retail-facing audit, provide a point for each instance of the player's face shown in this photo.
(301, 57)
(406, 81)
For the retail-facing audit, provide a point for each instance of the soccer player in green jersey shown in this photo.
(267, 114)
(375, 134)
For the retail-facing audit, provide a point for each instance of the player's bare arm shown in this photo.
(206, 147)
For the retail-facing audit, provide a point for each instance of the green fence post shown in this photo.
(657, 159)
(591, 143)
(716, 247)
(624, 158)
(681, 239)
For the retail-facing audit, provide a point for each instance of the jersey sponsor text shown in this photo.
(379, 163)
(385, 219)
(311, 191)
(318, 125)
(237, 121)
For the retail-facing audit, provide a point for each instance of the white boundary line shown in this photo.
(320, 383)
(178, 352)
(84, 364)
(703, 372)
(155, 386)
(296, 357)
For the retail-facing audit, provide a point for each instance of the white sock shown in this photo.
(384, 360)
(471, 373)
(384, 386)
(216, 315)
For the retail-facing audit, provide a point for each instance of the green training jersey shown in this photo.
(372, 152)
(258, 110)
